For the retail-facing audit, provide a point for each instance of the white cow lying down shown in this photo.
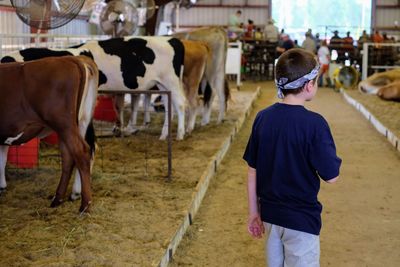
(386, 85)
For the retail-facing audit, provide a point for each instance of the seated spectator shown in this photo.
(258, 35)
(348, 40)
(364, 38)
(271, 32)
(309, 44)
(335, 39)
(249, 29)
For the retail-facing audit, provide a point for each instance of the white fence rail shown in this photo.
(373, 56)
(15, 42)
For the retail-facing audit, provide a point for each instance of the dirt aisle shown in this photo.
(361, 216)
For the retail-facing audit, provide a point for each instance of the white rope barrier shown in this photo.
(390, 136)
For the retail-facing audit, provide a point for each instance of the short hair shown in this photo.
(293, 64)
(239, 12)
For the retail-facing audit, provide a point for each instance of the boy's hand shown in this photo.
(255, 227)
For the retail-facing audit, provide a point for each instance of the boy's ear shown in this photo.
(309, 86)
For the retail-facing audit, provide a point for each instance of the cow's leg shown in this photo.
(3, 161)
(132, 124)
(191, 87)
(119, 107)
(146, 107)
(178, 101)
(66, 171)
(220, 86)
(207, 110)
(86, 131)
(77, 154)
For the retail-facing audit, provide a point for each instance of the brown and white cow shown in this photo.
(386, 85)
(217, 40)
(51, 94)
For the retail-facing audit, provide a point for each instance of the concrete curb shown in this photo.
(202, 187)
(390, 136)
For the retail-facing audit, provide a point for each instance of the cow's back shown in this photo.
(38, 91)
(136, 62)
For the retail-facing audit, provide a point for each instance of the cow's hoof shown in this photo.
(56, 202)
(3, 190)
(130, 130)
(74, 196)
(85, 208)
(117, 131)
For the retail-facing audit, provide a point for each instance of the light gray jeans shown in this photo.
(290, 248)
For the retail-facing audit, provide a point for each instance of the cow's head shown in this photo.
(375, 82)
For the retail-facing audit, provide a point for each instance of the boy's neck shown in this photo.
(291, 99)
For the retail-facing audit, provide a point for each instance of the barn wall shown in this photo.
(387, 17)
(212, 12)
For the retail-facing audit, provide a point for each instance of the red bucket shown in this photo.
(51, 139)
(104, 110)
(24, 156)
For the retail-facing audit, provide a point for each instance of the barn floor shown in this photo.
(361, 216)
(136, 210)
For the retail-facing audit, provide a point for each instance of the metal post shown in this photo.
(364, 73)
(169, 135)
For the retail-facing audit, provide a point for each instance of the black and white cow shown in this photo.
(136, 63)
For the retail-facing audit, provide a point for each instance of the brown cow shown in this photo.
(56, 94)
(386, 85)
(197, 54)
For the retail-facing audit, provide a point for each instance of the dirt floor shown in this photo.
(361, 216)
(136, 210)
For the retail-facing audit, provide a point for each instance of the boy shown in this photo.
(289, 150)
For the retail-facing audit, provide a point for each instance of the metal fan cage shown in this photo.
(47, 14)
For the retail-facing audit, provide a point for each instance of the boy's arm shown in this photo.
(254, 223)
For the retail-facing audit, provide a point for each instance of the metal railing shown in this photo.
(14, 42)
(366, 57)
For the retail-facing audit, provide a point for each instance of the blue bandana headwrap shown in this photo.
(300, 82)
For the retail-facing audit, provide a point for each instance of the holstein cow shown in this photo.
(52, 94)
(217, 40)
(384, 84)
(136, 63)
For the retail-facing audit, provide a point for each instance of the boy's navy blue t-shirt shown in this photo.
(291, 148)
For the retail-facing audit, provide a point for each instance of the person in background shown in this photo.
(258, 35)
(296, 43)
(289, 151)
(309, 43)
(287, 44)
(250, 29)
(377, 37)
(324, 58)
(348, 40)
(235, 29)
(364, 38)
(317, 41)
(335, 39)
(271, 32)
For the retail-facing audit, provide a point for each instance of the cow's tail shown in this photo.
(227, 93)
(88, 102)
